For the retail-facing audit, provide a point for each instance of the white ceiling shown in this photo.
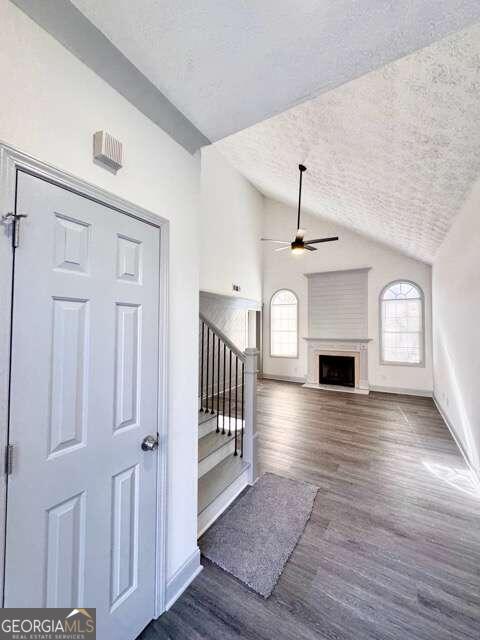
(391, 154)
(227, 64)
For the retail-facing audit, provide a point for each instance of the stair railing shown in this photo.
(227, 389)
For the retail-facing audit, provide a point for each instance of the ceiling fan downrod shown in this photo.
(301, 168)
(299, 245)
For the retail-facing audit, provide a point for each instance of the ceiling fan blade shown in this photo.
(300, 234)
(277, 241)
(317, 240)
(283, 248)
(310, 248)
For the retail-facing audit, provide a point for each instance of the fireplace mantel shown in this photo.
(355, 347)
(338, 339)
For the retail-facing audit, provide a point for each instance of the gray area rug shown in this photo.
(255, 537)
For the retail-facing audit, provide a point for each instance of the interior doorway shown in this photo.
(254, 333)
(87, 406)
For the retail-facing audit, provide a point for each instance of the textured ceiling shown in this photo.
(228, 64)
(391, 154)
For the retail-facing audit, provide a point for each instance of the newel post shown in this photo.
(250, 436)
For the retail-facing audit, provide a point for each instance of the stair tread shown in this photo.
(213, 483)
(205, 417)
(211, 442)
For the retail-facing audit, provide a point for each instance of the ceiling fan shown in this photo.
(299, 245)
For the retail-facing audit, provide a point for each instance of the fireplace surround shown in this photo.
(357, 349)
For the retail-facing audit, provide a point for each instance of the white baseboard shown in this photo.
(458, 442)
(183, 577)
(425, 393)
(399, 390)
(274, 376)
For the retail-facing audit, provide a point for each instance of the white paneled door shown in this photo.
(81, 514)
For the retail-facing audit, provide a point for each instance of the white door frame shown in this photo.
(12, 161)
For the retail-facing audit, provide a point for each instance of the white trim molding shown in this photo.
(312, 274)
(475, 472)
(280, 378)
(7, 204)
(425, 393)
(182, 578)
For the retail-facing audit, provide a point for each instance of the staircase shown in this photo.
(226, 424)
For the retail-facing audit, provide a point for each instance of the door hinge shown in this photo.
(9, 459)
(15, 219)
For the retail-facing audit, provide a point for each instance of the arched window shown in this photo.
(284, 324)
(402, 325)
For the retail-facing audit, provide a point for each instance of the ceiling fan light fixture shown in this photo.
(297, 248)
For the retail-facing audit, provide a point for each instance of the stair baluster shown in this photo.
(227, 374)
(212, 409)
(235, 453)
(202, 364)
(243, 409)
(230, 393)
(208, 362)
(218, 385)
(224, 385)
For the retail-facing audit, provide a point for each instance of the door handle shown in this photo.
(150, 443)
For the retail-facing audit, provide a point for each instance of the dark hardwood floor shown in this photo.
(392, 550)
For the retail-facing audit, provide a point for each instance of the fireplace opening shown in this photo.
(338, 370)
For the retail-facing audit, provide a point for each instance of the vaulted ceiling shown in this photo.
(392, 143)
(392, 154)
(227, 64)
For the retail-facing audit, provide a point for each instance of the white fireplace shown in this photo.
(355, 348)
(338, 307)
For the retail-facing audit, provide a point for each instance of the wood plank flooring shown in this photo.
(392, 550)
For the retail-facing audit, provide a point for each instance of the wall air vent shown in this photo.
(107, 150)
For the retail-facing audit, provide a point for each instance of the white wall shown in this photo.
(229, 315)
(51, 105)
(352, 251)
(231, 226)
(456, 337)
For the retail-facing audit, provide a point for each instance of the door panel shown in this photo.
(127, 365)
(68, 390)
(65, 552)
(129, 259)
(72, 240)
(124, 567)
(81, 517)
